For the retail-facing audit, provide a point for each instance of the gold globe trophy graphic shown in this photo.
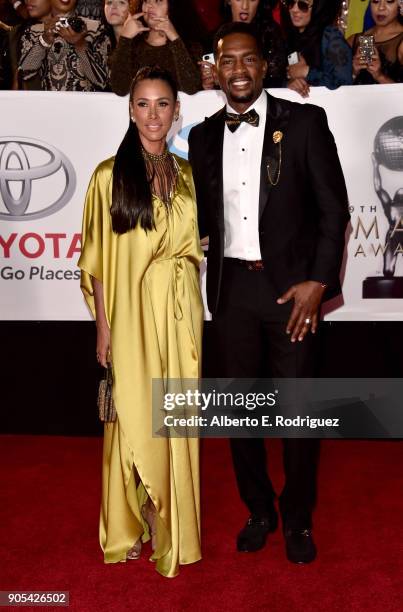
(388, 152)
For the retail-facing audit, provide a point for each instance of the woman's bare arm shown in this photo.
(103, 331)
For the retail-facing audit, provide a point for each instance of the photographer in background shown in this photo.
(68, 52)
(378, 56)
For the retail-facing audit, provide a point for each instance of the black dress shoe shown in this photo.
(299, 545)
(253, 536)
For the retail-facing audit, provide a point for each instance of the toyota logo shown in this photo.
(24, 163)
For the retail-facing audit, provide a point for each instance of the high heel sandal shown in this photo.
(135, 551)
(149, 514)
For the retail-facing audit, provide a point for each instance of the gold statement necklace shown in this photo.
(162, 174)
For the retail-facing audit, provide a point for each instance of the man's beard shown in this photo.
(242, 97)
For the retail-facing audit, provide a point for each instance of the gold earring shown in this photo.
(176, 117)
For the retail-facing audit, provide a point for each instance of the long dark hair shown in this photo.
(308, 42)
(131, 189)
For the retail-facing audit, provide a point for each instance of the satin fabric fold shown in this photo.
(154, 309)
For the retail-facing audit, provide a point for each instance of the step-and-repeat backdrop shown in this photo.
(50, 144)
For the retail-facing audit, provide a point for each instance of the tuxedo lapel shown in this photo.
(214, 159)
(276, 120)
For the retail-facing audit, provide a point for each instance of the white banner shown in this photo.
(50, 144)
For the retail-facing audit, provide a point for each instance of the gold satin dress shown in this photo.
(154, 309)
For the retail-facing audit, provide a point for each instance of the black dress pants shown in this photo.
(250, 339)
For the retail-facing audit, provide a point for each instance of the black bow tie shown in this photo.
(234, 121)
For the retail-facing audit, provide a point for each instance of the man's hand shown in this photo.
(307, 298)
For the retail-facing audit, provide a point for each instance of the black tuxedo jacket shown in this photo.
(302, 220)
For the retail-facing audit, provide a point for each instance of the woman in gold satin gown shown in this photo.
(140, 276)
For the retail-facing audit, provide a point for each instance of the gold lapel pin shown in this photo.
(277, 136)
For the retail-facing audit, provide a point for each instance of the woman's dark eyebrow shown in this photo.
(148, 99)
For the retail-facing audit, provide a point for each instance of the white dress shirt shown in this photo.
(242, 155)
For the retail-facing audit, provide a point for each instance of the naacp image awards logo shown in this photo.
(388, 153)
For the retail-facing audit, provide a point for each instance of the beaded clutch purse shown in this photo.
(106, 405)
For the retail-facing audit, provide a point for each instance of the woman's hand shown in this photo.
(358, 63)
(103, 330)
(375, 66)
(103, 345)
(166, 27)
(133, 26)
(207, 76)
(49, 31)
(299, 70)
(77, 39)
(300, 86)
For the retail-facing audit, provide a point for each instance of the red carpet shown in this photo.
(50, 489)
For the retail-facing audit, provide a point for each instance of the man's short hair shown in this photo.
(238, 27)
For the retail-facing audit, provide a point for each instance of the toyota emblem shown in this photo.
(24, 162)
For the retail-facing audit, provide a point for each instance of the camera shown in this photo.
(75, 23)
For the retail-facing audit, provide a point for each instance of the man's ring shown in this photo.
(308, 321)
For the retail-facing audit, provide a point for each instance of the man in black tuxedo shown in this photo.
(272, 199)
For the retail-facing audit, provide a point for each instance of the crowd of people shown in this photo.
(99, 45)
